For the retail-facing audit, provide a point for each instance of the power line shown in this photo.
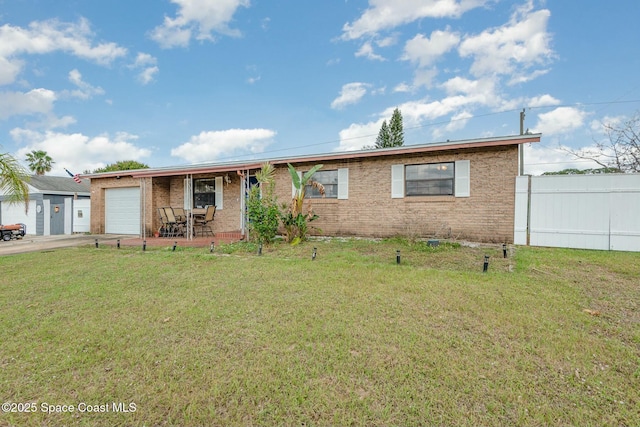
(439, 123)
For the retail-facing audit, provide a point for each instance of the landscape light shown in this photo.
(96, 243)
(486, 264)
(398, 256)
(174, 246)
(504, 250)
(118, 244)
(144, 245)
(260, 249)
(211, 248)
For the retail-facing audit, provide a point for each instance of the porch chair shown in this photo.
(176, 227)
(205, 222)
(165, 228)
(180, 214)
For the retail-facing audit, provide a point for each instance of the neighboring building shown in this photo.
(52, 201)
(458, 189)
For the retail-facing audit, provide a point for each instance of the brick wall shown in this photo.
(487, 215)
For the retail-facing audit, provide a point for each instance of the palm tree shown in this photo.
(13, 179)
(39, 162)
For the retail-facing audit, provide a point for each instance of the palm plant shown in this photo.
(13, 179)
(39, 162)
(294, 220)
(262, 206)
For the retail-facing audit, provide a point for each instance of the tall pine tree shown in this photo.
(383, 136)
(391, 135)
(396, 130)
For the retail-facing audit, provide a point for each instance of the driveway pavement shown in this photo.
(45, 243)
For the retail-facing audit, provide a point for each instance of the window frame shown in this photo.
(448, 177)
(312, 193)
(195, 192)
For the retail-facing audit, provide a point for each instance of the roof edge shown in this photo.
(382, 152)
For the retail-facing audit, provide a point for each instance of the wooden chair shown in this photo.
(205, 222)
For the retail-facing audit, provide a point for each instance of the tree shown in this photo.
(294, 220)
(384, 136)
(573, 171)
(13, 180)
(621, 148)
(122, 165)
(396, 129)
(391, 135)
(39, 162)
(262, 206)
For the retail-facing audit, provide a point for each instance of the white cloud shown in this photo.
(513, 48)
(212, 145)
(386, 14)
(351, 93)
(199, 18)
(78, 152)
(85, 90)
(359, 135)
(366, 50)
(9, 70)
(559, 121)
(425, 51)
(36, 101)
(458, 121)
(148, 65)
(49, 36)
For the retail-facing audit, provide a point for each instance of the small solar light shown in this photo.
(504, 250)
(260, 249)
(211, 247)
(96, 243)
(315, 252)
(398, 256)
(144, 245)
(486, 264)
(174, 246)
(118, 244)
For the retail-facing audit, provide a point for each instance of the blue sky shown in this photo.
(176, 82)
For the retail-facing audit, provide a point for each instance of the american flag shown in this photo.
(75, 177)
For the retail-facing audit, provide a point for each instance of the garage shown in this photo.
(122, 210)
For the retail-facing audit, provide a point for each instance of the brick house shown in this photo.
(460, 189)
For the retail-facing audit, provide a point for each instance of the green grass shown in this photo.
(233, 338)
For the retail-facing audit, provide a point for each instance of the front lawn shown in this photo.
(186, 337)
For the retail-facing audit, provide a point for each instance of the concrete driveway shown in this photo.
(44, 243)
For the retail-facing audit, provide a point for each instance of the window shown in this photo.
(204, 192)
(434, 179)
(329, 179)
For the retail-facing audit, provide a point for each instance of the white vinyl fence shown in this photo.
(579, 211)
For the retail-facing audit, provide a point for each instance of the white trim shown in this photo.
(343, 184)
(219, 191)
(462, 177)
(397, 181)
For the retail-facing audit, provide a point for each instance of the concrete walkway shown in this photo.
(44, 243)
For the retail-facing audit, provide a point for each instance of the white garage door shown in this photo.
(122, 210)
